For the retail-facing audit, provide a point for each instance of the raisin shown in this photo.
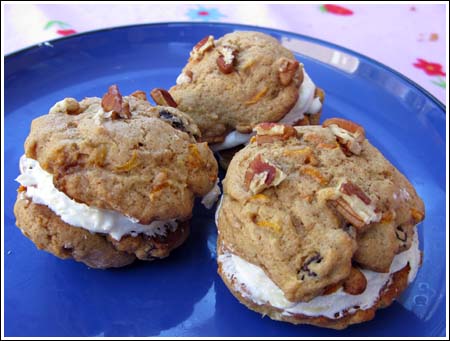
(401, 234)
(67, 249)
(173, 120)
(316, 258)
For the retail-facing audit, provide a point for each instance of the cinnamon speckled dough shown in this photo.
(48, 232)
(252, 93)
(146, 167)
(292, 230)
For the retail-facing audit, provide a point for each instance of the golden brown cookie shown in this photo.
(116, 167)
(241, 79)
(316, 208)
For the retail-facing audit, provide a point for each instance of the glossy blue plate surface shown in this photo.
(183, 295)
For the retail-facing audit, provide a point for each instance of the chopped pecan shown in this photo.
(163, 97)
(269, 132)
(223, 66)
(139, 94)
(287, 70)
(356, 282)
(261, 175)
(226, 59)
(354, 205)
(69, 106)
(347, 212)
(201, 47)
(350, 188)
(349, 134)
(332, 288)
(112, 102)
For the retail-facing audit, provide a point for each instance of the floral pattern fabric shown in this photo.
(408, 38)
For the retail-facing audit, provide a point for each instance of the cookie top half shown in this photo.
(122, 154)
(237, 81)
(305, 203)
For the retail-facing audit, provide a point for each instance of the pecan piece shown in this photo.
(349, 134)
(201, 47)
(226, 59)
(269, 132)
(261, 174)
(350, 188)
(69, 106)
(354, 205)
(287, 70)
(139, 94)
(347, 212)
(356, 282)
(163, 97)
(223, 66)
(112, 102)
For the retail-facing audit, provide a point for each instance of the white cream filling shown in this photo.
(260, 289)
(306, 103)
(40, 190)
(216, 215)
(233, 139)
(211, 197)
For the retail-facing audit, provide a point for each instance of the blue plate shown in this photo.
(183, 295)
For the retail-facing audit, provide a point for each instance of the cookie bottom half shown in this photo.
(48, 232)
(389, 292)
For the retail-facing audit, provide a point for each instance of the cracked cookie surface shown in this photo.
(339, 204)
(237, 81)
(111, 180)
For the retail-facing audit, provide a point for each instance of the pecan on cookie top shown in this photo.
(241, 79)
(316, 226)
(118, 168)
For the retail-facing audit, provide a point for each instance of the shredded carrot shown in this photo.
(315, 174)
(130, 164)
(417, 215)
(328, 145)
(257, 97)
(269, 224)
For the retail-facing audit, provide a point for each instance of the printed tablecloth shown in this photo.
(408, 38)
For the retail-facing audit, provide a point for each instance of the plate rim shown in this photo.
(442, 106)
